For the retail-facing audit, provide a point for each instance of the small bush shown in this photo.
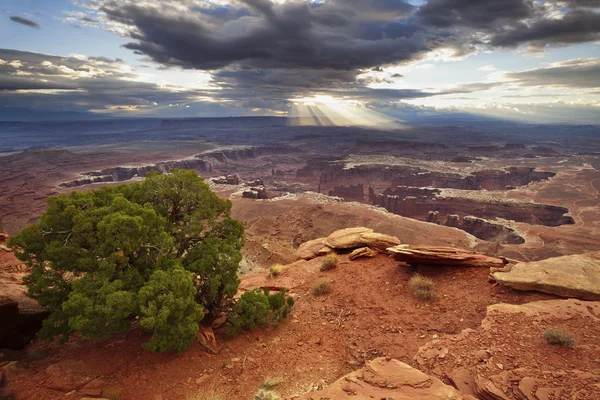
(559, 338)
(322, 286)
(422, 287)
(263, 394)
(330, 261)
(275, 270)
(258, 309)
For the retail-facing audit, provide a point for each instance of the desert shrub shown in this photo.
(258, 308)
(263, 394)
(321, 287)
(422, 287)
(330, 261)
(275, 270)
(149, 251)
(270, 383)
(558, 338)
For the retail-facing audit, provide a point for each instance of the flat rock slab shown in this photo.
(576, 276)
(444, 256)
(384, 378)
(349, 238)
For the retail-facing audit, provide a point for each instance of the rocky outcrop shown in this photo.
(120, 174)
(362, 252)
(346, 239)
(379, 241)
(503, 358)
(349, 238)
(575, 276)
(256, 192)
(226, 180)
(444, 256)
(310, 249)
(349, 193)
(68, 375)
(384, 378)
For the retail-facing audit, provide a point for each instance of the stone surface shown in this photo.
(348, 238)
(309, 249)
(384, 378)
(501, 360)
(444, 256)
(379, 241)
(68, 375)
(362, 252)
(567, 276)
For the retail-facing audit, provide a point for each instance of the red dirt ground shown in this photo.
(369, 312)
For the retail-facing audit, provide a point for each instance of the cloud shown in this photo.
(26, 22)
(578, 73)
(511, 23)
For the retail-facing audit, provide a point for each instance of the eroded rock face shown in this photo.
(384, 378)
(68, 375)
(349, 238)
(444, 256)
(501, 359)
(567, 276)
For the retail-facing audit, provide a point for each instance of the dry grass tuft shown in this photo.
(275, 270)
(423, 288)
(321, 287)
(558, 338)
(330, 261)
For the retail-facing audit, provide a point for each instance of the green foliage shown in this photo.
(270, 383)
(258, 308)
(148, 250)
(169, 310)
(330, 261)
(423, 288)
(321, 287)
(558, 338)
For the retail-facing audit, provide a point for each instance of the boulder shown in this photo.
(309, 249)
(384, 378)
(349, 238)
(362, 252)
(444, 256)
(379, 241)
(567, 276)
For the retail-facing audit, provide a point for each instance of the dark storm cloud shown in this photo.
(340, 35)
(473, 13)
(575, 27)
(582, 73)
(511, 23)
(26, 22)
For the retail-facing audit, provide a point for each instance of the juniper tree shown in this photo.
(147, 250)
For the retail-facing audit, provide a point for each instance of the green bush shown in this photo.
(330, 261)
(423, 288)
(160, 251)
(258, 308)
(558, 338)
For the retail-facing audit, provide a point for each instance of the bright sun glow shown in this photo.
(329, 111)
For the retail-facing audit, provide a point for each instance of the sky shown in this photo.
(339, 61)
